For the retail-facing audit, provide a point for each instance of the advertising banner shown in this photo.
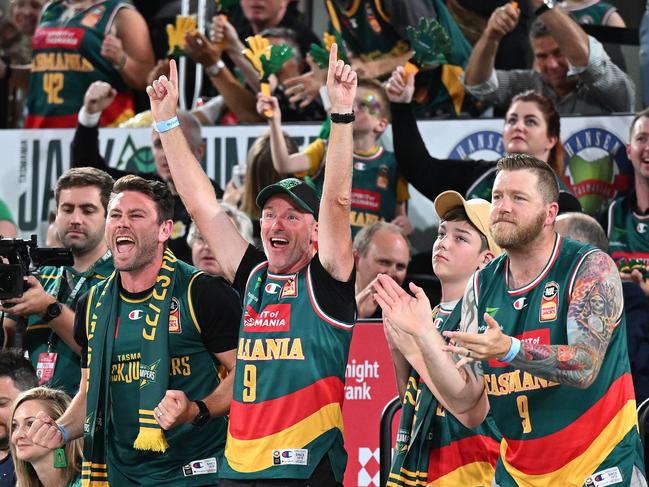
(595, 159)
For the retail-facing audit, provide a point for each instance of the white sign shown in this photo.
(596, 162)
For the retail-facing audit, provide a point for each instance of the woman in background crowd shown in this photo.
(37, 466)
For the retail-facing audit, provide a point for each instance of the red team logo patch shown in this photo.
(174, 316)
(550, 302)
(366, 200)
(91, 19)
(290, 289)
(274, 317)
(56, 37)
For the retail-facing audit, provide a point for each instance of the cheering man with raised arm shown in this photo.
(298, 299)
(543, 337)
(157, 341)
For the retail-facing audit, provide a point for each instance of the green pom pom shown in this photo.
(279, 54)
(430, 43)
(320, 55)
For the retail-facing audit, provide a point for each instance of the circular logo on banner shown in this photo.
(485, 144)
(597, 166)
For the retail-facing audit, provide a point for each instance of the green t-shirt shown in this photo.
(67, 285)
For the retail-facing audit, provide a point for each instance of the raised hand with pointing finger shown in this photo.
(163, 94)
(341, 83)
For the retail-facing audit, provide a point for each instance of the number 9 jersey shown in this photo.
(286, 413)
(556, 434)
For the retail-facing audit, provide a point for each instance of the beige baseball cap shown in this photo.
(476, 209)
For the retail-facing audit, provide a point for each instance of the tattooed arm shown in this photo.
(594, 312)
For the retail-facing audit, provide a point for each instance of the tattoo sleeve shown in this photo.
(595, 310)
(469, 323)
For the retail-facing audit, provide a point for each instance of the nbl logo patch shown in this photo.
(550, 302)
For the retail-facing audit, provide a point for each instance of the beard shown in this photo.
(515, 235)
(4, 443)
(143, 256)
(81, 247)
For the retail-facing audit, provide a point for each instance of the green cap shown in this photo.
(300, 192)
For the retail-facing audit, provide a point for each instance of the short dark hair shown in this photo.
(642, 114)
(85, 176)
(378, 89)
(538, 29)
(547, 179)
(458, 214)
(158, 191)
(19, 369)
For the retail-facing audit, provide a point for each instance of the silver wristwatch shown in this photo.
(215, 68)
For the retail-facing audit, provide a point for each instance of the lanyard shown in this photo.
(70, 299)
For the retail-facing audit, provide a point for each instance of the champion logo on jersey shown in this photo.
(610, 476)
(272, 288)
(520, 303)
(200, 467)
(641, 227)
(360, 166)
(291, 456)
(136, 314)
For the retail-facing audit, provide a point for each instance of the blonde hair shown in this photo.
(55, 402)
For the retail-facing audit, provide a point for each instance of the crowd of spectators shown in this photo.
(84, 64)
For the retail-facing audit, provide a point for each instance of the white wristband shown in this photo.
(513, 350)
(166, 125)
(88, 119)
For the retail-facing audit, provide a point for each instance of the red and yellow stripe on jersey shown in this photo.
(469, 461)
(433, 447)
(291, 421)
(573, 453)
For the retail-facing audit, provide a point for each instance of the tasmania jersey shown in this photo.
(433, 448)
(203, 316)
(628, 231)
(286, 414)
(556, 434)
(377, 188)
(66, 59)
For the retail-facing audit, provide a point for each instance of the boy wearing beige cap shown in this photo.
(433, 446)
